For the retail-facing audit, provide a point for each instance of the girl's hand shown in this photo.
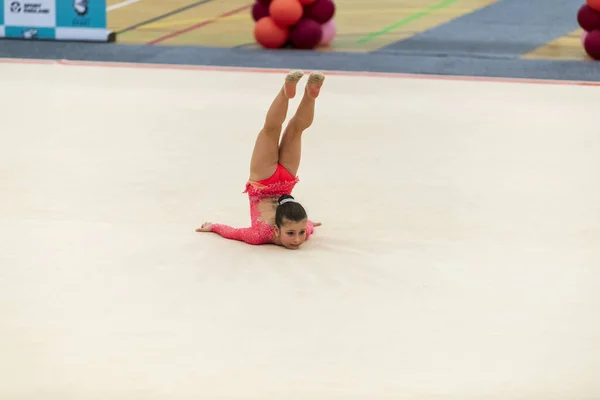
(206, 227)
(316, 224)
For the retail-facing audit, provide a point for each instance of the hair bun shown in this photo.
(285, 197)
(288, 209)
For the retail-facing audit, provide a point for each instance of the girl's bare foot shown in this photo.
(315, 81)
(291, 80)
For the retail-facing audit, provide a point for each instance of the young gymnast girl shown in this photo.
(276, 216)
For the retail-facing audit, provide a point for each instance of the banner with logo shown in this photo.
(83, 20)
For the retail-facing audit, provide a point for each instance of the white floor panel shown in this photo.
(458, 258)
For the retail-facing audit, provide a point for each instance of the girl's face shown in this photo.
(291, 234)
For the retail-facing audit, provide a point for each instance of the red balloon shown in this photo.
(270, 35)
(595, 4)
(286, 12)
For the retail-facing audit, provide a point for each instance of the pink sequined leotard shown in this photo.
(260, 232)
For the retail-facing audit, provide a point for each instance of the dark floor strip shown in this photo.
(467, 65)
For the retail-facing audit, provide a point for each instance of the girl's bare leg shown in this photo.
(290, 148)
(265, 155)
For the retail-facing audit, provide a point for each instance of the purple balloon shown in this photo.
(321, 11)
(259, 10)
(306, 34)
(592, 44)
(588, 18)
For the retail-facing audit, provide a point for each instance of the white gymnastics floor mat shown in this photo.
(458, 258)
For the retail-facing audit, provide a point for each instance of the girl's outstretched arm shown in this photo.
(249, 235)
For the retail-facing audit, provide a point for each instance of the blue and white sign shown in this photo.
(54, 20)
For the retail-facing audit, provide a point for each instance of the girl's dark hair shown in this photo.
(290, 210)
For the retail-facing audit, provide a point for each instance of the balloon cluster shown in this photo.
(588, 18)
(299, 24)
